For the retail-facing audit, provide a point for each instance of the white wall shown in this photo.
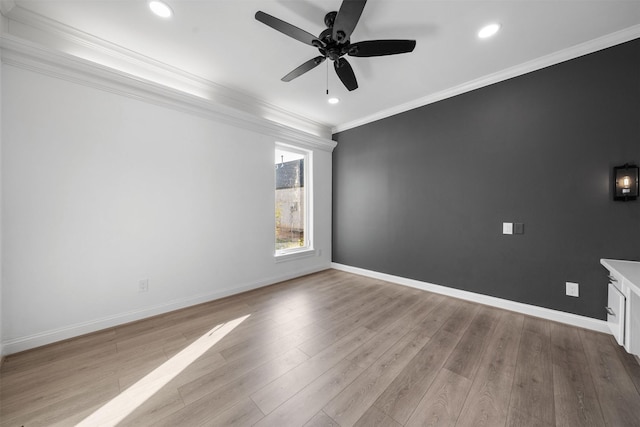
(101, 190)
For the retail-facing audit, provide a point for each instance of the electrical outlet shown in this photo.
(573, 289)
(143, 285)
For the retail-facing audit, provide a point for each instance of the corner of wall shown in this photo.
(2, 29)
(6, 6)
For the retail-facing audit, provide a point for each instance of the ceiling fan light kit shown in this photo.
(334, 42)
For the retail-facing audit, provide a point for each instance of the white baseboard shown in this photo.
(54, 335)
(532, 310)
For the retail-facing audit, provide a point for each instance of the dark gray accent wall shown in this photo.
(423, 194)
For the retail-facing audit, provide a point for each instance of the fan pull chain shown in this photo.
(327, 62)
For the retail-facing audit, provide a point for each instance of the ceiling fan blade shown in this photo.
(347, 18)
(309, 65)
(345, 73)
(381, 47)
(288, 29)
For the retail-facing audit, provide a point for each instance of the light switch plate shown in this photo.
(507, 228)
(518, 228)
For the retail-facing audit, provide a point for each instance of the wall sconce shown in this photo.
(625, 184)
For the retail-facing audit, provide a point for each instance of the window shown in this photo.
(292, 195)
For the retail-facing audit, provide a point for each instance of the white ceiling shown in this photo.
(220, 41)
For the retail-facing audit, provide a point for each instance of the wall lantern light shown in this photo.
(625, 184)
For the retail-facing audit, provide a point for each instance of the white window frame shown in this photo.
(306, 250)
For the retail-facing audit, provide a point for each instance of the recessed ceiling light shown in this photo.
(333, 100)
(160, 8)
(488, 31)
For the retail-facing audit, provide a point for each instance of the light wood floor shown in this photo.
(331, 349)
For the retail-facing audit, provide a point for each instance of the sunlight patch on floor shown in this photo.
(126, 402)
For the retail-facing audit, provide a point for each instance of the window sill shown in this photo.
(294, 255)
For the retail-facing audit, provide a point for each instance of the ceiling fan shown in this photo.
(334, 42)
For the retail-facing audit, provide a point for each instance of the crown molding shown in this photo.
(573, 52)
(127, 61)
(27, 55)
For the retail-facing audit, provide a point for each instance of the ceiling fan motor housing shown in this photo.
(332, 49)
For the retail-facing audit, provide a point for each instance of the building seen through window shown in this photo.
(290, 198)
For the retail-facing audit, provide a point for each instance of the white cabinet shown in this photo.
(634, 324)
(615, 313)
(623, 304)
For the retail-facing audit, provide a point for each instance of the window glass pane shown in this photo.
(290, 200)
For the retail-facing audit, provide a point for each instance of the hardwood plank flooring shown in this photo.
(610, 380)
(532, 392)
(487, 403)
(443, 402)
(575, 397)
(329, 349)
